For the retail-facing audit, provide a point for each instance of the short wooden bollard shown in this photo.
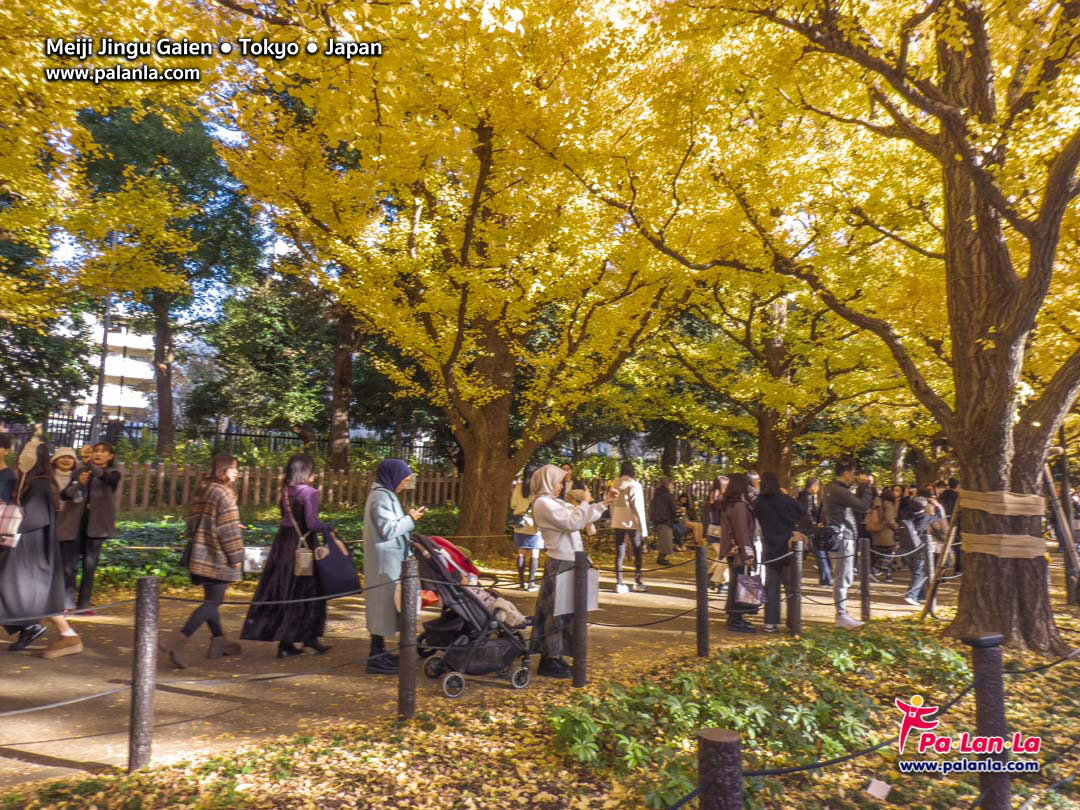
(720, 771)
(864, 577)
(701, 582)
(581, 618)
(990, 715)
(794, 605)
(143, 672)
(410, 583)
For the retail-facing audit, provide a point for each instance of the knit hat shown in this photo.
(65, 451)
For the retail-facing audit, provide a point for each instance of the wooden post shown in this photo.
(990, 715)
(132, 484)
(580, 647)
(144, 670)
(244, 481)
(410, 582)
(147, 471)
(256, 483)
(701, 613)
(160, 483)
(864, 576)
(794, 605)
(185, 495)
(720, 770)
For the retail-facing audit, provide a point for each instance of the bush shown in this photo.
(795, 702)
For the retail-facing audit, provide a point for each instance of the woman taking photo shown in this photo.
(737, 543)
(386, 545)
(68, 517)
(561, 525)
(31, 573)
(302, 622)
(526, 537)
(214, 558)
(96, 483)
(778, 515)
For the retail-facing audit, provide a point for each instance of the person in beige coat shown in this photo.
(887, 509)
(628, 521)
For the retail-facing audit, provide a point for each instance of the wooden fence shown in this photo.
(151, 485)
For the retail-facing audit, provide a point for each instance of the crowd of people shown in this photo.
(67, 504)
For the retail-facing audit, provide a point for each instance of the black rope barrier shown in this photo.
(1043, 667)
(689, 797)
(647, 624)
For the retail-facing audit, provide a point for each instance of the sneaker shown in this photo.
(663, 561)
(382, 664)
(531, 586)
(741, 627)
(911, 600)
(769, 628)
(64, 645)
(554, 668)
(847, 623)
(874, 575)
(27, 636)
(640, 587)
(622, 588)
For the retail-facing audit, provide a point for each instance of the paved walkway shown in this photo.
(194, 720)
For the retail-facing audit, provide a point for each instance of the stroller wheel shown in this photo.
(521, 677)
(421, 650)
(453, 685)
(434, 667)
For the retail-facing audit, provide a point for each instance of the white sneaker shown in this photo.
(622, 588)
(912, 601)
(847, 623)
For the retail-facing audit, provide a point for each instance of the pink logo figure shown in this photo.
(916, 716)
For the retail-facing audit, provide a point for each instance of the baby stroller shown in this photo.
(467, 638)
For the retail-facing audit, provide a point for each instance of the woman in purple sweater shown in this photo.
(301, 622)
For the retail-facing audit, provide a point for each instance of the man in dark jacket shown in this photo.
(916, 535)
(663, 515)
(841, 507)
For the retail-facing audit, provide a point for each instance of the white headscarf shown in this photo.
(548, 480)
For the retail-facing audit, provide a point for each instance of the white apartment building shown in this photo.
(129, 371)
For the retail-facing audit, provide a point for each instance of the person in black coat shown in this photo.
(810, 499)
(663, 515)
(779, 516)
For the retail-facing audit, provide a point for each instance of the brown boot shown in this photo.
(176, 647)
(63, 645)
(220, 646)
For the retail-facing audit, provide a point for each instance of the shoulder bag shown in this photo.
(11, 518)
(304, 559)
(336, 572)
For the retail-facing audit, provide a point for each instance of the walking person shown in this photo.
(7, 475)
(810, 498)
(214, 557)
(884, 515)
(31, 573)
(302, 622)
(718, 570)
(840, 508)
(68, 517)
(737, 525)
(664, 516)
(527, 539)
(778, 515)
(948, 499)
(386, 545)
(915, 534)
(96, 483)
(628, 521)
(560, 523)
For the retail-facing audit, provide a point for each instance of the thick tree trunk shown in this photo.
(927, 468)
(686, 452)
(774, 446)
(164, 356)
(669, 456)
(344, 345)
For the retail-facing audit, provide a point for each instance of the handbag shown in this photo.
(715, 530)
(749, 591)
(825, 538)
(336, 572)
(304, 558)
(11, 518)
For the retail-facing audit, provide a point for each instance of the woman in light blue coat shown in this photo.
(386, 545)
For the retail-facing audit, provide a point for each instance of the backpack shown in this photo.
(875, 518)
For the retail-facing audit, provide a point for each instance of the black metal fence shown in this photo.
(70, 431)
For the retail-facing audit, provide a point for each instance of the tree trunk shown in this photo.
(774, 446)
(686, 452)
(669, 455)
(161, 305)
(344, 345)
(899, 450)
(926, 468)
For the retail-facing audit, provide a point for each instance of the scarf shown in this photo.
(391, 472)
(548, 480)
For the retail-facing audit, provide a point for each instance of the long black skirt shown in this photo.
(31, 579)
(288, 623)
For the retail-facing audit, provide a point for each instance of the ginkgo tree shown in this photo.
(933, 143)
(408, 184)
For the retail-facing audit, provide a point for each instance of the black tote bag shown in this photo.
(336, 572)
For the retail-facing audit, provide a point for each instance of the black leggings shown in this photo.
(213, 596)
(90, 547)
(621, 536)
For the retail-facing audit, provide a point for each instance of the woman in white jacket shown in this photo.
(628, 521)
(561, 525)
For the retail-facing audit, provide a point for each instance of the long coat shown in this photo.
(31, 574)
(386, 545)
(100, 499)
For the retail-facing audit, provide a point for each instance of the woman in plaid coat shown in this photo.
(214, 557)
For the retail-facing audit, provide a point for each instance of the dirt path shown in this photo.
(194, 720)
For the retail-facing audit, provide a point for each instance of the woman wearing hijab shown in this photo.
(302, 621)
(560, 524)
(31, 573)
(386, 545)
